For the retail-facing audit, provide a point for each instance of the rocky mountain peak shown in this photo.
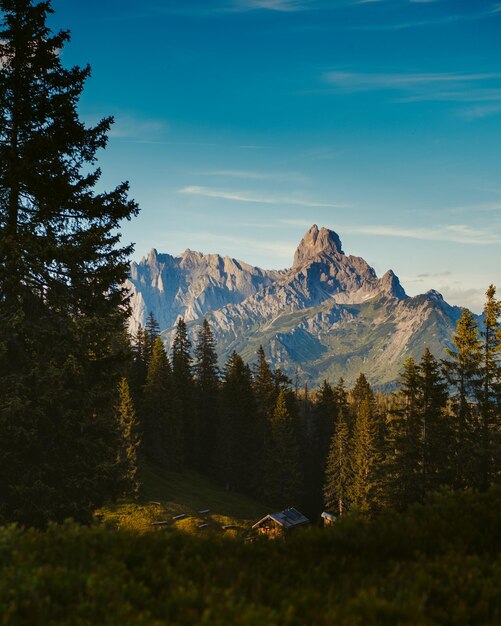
(391, 285)
(317, 242)
(152, 256)
(328, 315)
(435, 295)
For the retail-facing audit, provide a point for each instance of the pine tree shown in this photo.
(365, 490)
(283, 476)
(151, 334)
(264, 385)
(436, 427)
(238, 435)
(317, 444)
(362, 392)
(129, 441)
(406, 474)
(282, 381)
(207, 387)
(62, 301)
(464, 374)
(140, 361)
(489, 390)
(326, 411)
(184, 393)
(339, 473)
(265, 395)
(341, 396)
(162, 429)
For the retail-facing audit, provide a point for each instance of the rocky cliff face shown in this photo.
(190, 285)
(329, 315)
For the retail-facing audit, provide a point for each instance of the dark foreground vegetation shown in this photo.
(437, 564)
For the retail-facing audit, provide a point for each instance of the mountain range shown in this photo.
(327, 316)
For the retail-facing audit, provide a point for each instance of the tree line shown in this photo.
(341, 449)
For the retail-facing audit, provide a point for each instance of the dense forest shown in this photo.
(253, 430)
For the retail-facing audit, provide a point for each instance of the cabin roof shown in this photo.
(329, 516)
(287, 519)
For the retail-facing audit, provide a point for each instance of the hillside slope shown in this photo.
(166, 494)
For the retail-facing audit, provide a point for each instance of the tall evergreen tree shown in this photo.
(62, 300)
(152, 332)
(207, 386)
(464, 374)
(265, 394)
(490, 386)
(325, 414)
(339, 471)
(238, 434)
(406, 483)
(436, 427)
(264, 385)
(317, 444)
(365, 491)
(140, 361)
(184, 393)
(362, 392)
(283, 480)
(129, 441)
(162, 428)
(341, 396)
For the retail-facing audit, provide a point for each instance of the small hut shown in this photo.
(280, 524)
(328, 518)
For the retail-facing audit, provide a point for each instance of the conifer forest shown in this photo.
(134, 464)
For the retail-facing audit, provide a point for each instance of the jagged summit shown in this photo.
(328, 315)
(152, 255)
(391, 285)
(315, 243)
(436, 295)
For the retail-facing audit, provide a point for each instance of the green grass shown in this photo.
(183, 493)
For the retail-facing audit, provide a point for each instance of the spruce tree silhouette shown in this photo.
(62, 302)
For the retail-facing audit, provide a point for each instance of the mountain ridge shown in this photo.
(328, 315)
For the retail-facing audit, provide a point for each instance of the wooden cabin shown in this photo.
(276, 525)
(328, 518)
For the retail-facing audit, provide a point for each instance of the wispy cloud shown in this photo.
(477, 208)
(254, 175)
(471, 297)
(128, 127)
(436, 275)
(412, 87)
(238, 174)
(455, 233)
(246, 196)
(272, 5)
(435, 21)
(208, 8)
(482, 110)
(478, 94)
(351, 81)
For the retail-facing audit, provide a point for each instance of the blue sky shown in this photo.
(239, 123)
